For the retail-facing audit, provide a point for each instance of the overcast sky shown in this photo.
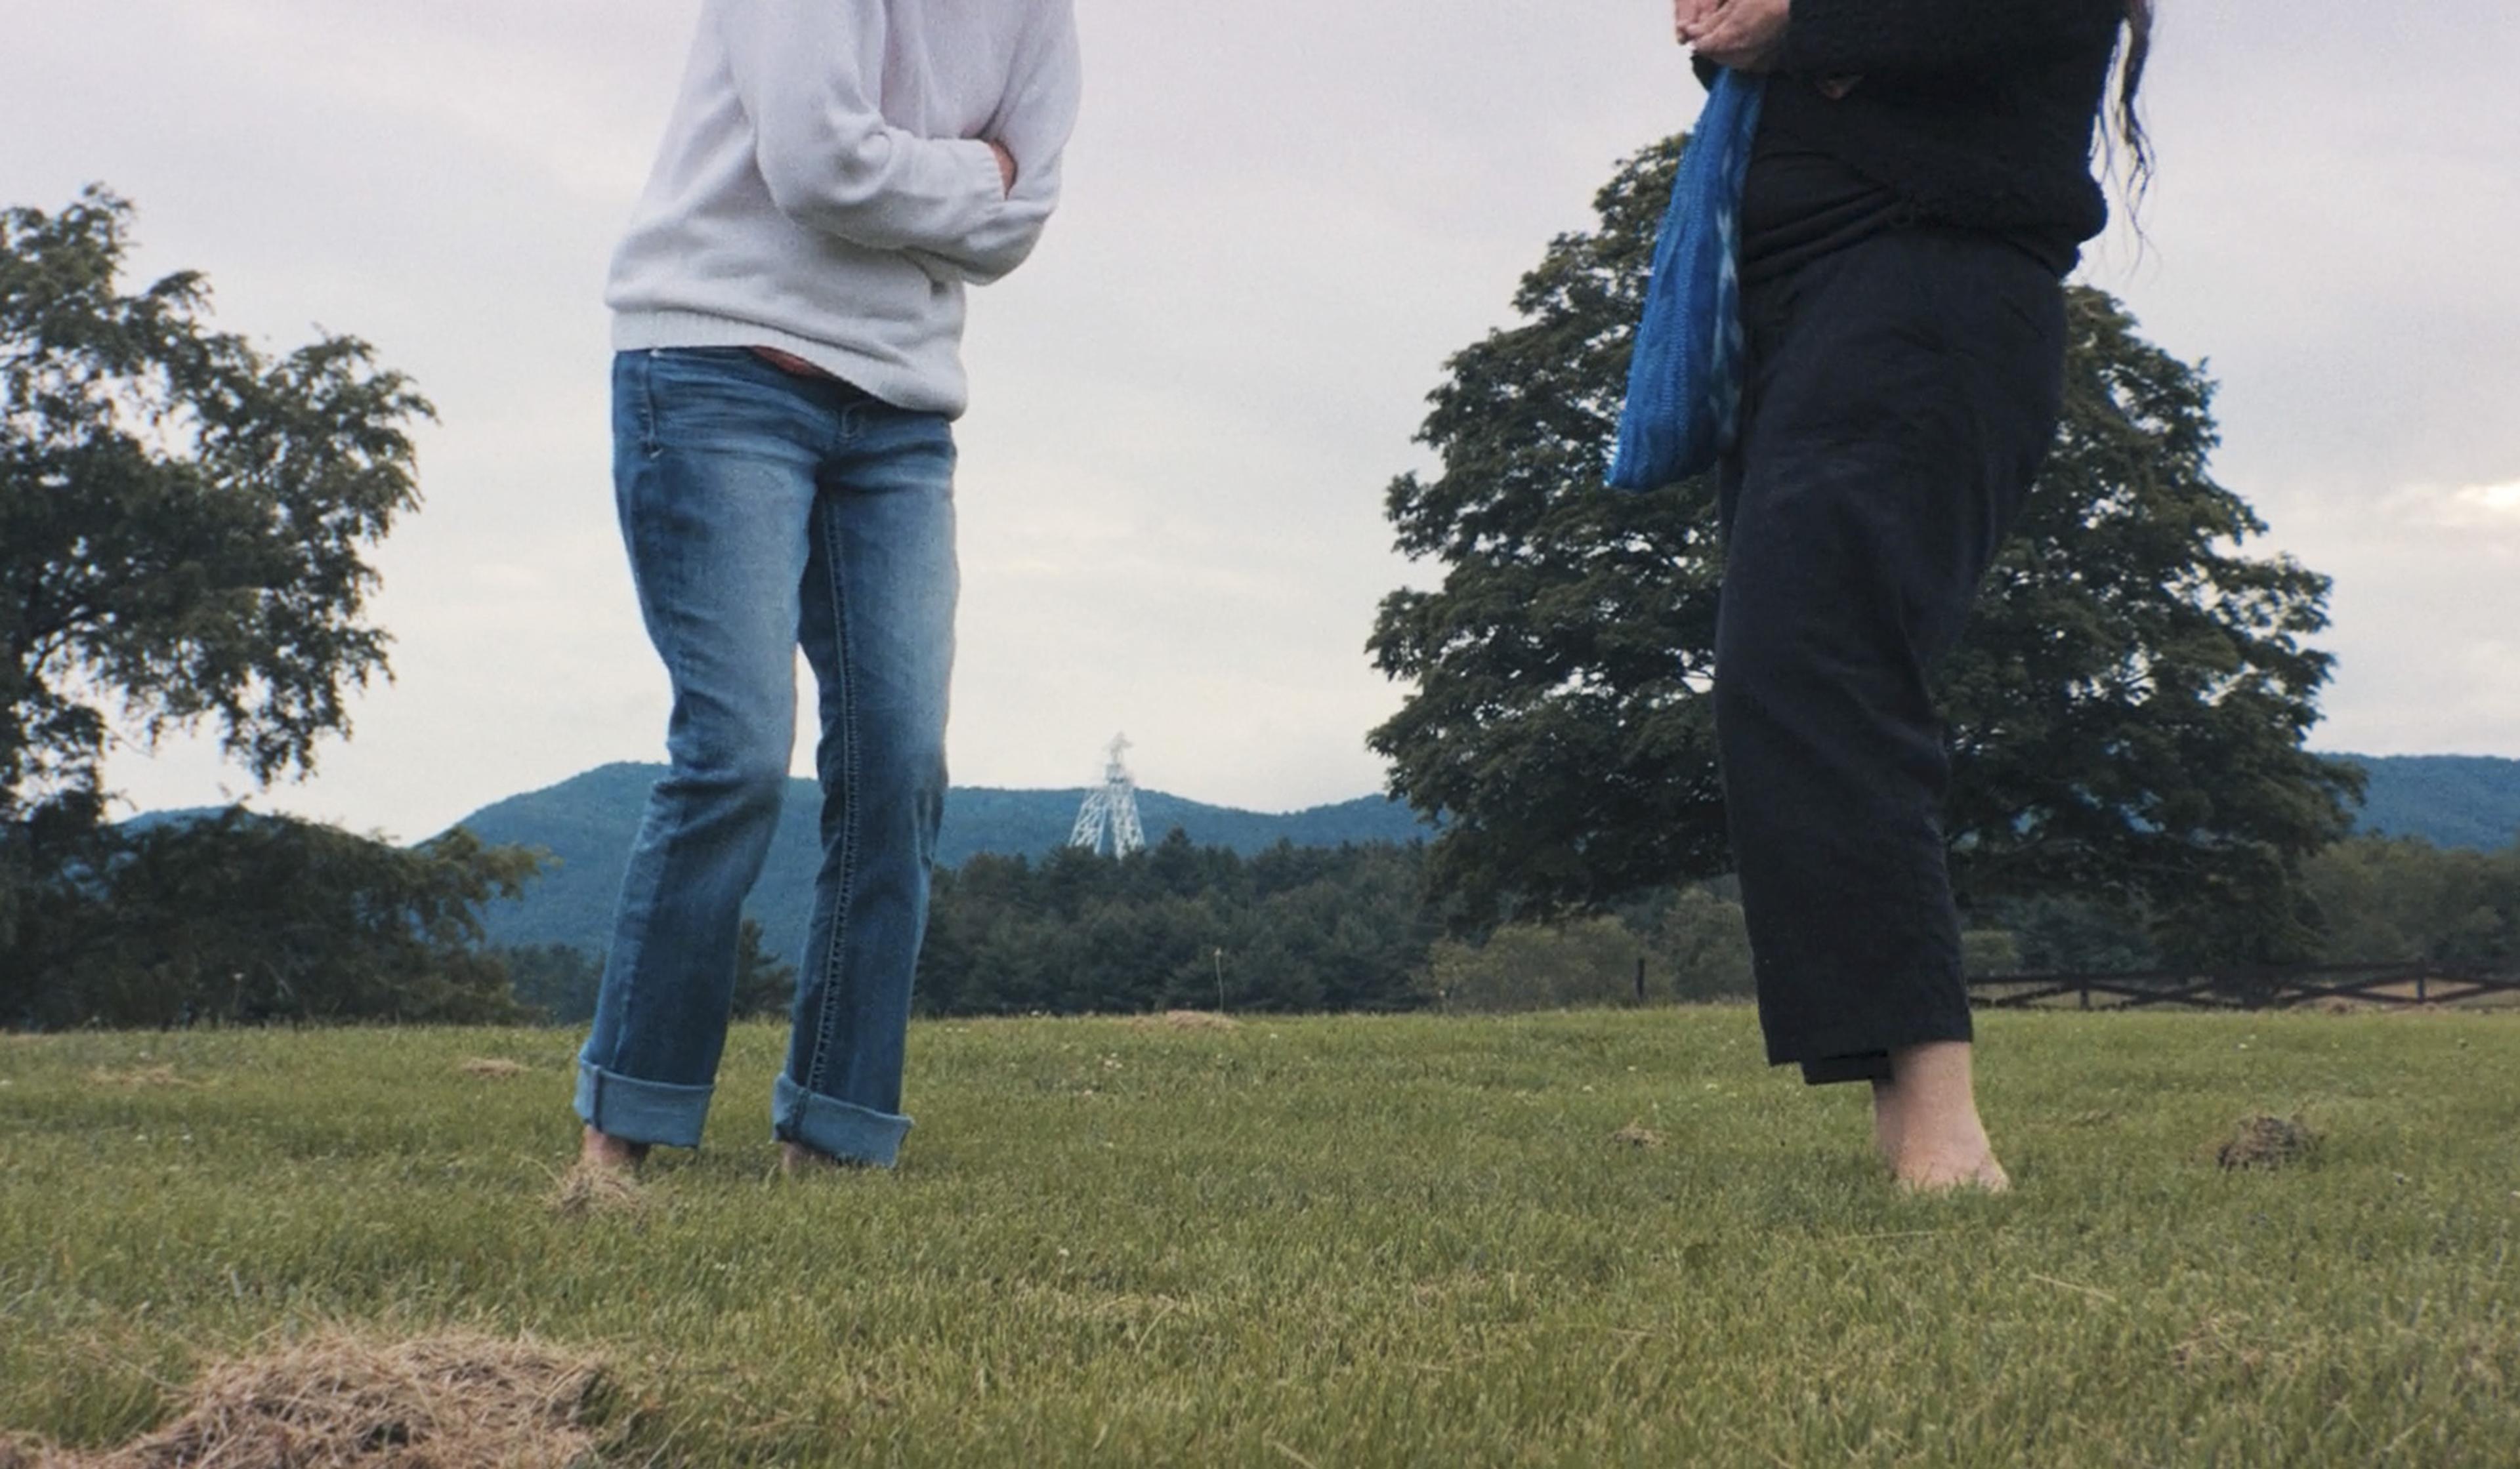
(1280, 219)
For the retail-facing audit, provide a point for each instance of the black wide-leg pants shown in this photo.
(1898, 397)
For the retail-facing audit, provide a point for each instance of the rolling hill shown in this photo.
(587, 824)
(2449, 800)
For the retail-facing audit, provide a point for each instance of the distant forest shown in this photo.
(1349, 928)
(307, 923)
(586, 824)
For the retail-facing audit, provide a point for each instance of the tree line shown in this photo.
(1359, 928)
(248, 920)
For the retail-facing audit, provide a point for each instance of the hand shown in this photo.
(1745, 35)
(1006, 164)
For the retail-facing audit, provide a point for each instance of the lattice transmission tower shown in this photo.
(1111, 807)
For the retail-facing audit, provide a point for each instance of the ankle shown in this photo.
(608, 1151)
(1942, 1142)
(796, 1158)
(1935, 1086)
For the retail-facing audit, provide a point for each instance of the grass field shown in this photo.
(1327, 1242)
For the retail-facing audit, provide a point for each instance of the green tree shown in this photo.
(247, 919)
(1178, 925)
(764, 983)
(1702, 939)
(2389, 900)
(557, 983)
(2126, 717)
(184, 527)
(1586, 962)
(2062, 934)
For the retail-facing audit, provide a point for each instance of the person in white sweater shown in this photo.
(788, 313)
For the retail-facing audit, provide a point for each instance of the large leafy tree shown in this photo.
(185, 531)
(184, 522)
(2127, 714)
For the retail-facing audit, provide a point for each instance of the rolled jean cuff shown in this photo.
(834, 1127)
(637, 1111)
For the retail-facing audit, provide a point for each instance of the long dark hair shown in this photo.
(2132, 52)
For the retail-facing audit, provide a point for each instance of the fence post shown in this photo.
(2424, 990)
(2087, 992)
(1641, 979)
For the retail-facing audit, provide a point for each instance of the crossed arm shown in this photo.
(967, 209)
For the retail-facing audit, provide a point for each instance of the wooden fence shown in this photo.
(2384, 984)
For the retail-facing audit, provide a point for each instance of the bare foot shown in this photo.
(613, 1155)
(1941, 1144)
(796, 1160)
(1944, 1174)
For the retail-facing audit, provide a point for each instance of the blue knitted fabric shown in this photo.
(1684, 385)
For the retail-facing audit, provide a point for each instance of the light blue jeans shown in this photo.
(764, 511)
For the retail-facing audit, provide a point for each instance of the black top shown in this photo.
(1799, 203)
(1971, 113)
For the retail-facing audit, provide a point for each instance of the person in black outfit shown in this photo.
(1919, 185)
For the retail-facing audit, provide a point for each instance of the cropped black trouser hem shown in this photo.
(1899, 395)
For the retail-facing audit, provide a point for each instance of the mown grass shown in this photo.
(1328, 1242)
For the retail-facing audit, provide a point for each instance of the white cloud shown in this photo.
(2426, 618)
(2488, 513)
(2498, 503)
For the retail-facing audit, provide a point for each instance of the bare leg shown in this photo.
(605, 1151)
(1942, 1145)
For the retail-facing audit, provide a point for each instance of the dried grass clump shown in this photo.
(1638, 1134)
(2269, 1142)
(593, 1189)
(1186, 1021)
(494, 1068)
(137, 1078)
(2216, 1344)
(345, 1402)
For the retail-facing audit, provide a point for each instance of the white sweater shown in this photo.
(825, 187)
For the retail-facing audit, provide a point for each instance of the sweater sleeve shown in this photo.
(830, 160)
(1034, 124)
(1839, 37)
